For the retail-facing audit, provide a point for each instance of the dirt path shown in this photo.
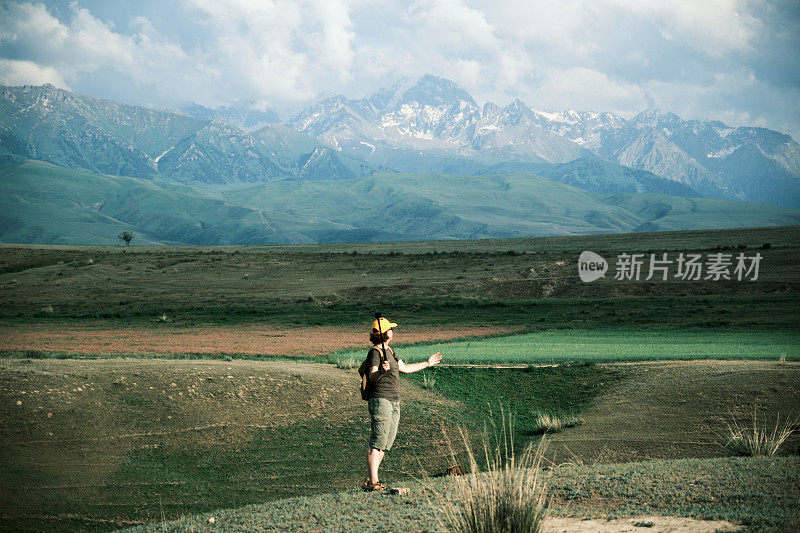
(251, 339)
(665, 410)
(651, 524)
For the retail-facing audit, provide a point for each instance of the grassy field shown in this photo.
(101, 444)
(126, 397)
(192, 436)
(760, 494)
(530, 283)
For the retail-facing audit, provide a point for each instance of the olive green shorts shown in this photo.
(384, 416)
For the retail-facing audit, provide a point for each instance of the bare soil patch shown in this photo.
(252, 339)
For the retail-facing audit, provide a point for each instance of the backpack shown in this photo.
(363, 371)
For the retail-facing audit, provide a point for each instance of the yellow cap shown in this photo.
(385, 325)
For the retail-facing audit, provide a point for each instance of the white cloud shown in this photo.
(14, 72)
(85, 44)
(588, 89)
(333, 47)
(736, 98)
(275, 50)
(450, 26)
(714, 27)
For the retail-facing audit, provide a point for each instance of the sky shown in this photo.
(735, 61)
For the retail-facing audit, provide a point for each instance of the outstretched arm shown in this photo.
(435, 359)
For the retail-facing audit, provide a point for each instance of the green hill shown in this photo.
(47, 204)
(43, 203)
(441, 206)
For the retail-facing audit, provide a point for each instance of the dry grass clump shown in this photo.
(428, 382)
(510, 496)
(742, 439)
(550, 423)
(346, 364)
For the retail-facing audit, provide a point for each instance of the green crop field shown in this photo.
(610, 345)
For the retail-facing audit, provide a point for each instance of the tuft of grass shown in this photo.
(428, 381)
(510, 496)
(551, 423)
(755, 441)
(782, 359)
(346, 364)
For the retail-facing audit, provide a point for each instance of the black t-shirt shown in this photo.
(388, 383)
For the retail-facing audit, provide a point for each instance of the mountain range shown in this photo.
(437, 125)
(74, 131)
(420, 160)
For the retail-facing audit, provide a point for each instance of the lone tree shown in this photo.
(126, 236)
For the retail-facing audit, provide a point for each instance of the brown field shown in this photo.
(107, 338)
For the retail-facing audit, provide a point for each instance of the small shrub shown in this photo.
(550, 423)
(428, 381)
(756, 440)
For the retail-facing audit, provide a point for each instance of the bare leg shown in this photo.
(374, 458)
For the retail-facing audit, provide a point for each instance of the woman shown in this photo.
(384, 398)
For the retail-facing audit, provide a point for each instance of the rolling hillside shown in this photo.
(42, 203)
(46, 204)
